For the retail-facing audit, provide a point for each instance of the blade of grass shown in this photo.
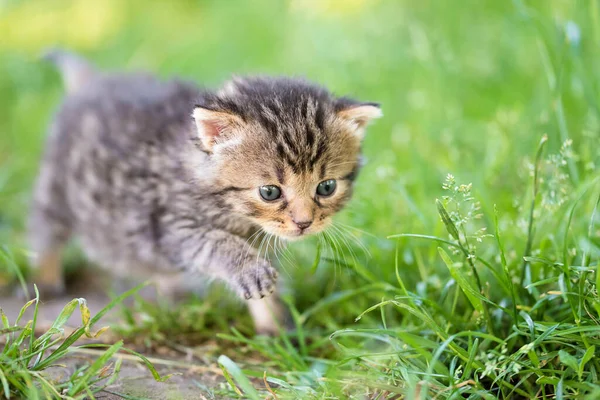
(5, 386)
(513, 293)
(317, 259)
(34, 321)
(463, 281)
(232, 370)
(75, 335)
(141, 357)
(536, 187)
(94, 368)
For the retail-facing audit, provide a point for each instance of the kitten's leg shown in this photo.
(47, 246)
(49, 231)
(169, 286)
(49, 278)
(269, 315)
(224, 256)
(178, 287)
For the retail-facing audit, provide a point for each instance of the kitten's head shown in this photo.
(285, 152)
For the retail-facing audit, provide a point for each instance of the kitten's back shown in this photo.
(110, 159)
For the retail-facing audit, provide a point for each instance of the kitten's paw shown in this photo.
(257, 281)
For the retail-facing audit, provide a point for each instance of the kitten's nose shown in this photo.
(303, 225)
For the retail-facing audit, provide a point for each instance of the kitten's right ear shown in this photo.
(358, 115)
(214, 126)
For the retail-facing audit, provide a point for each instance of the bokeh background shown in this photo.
(467, 88)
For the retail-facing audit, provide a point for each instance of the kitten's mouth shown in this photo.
(295, 234)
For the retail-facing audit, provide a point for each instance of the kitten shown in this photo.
(160, 177)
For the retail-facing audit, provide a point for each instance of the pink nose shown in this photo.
(303, 225)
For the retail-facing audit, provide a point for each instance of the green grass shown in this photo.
(27, 355)
(503, 95)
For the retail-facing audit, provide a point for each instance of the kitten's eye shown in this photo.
(269, 192)
(326, 188)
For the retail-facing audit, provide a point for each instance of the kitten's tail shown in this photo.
(76, 71)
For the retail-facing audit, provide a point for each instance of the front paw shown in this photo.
(256, 281)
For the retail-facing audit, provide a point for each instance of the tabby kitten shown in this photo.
(147, 189)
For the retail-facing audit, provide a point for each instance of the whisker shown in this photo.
(326, 250)
(281, 253)
(265, 246)
(247, 246)
(344, 229)
(260, 246)
(269, 245)
(345, 241)
(334, 236)
(285, 252)
(275, 242)
(334, 254)
(355, 229)
(323, 245)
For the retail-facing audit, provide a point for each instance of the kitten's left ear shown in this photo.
(359, 115)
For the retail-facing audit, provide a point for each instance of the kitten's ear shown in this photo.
(359, 115)
(214, 126)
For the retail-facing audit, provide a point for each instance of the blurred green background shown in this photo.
(466, 88)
